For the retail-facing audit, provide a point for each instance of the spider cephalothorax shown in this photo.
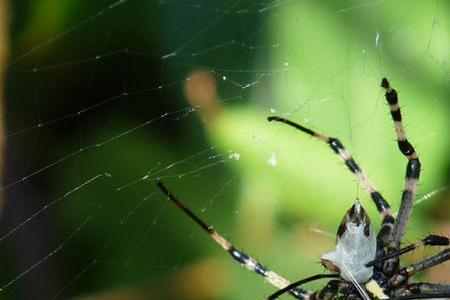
(364, 266)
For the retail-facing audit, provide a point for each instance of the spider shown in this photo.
(363, 265)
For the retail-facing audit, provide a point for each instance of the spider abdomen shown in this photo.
(355, 247)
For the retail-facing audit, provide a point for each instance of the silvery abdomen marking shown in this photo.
(355, 247)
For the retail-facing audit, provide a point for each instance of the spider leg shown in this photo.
(429, 288)
(412, 269)
(423, 296)
(382, 205)
(431, 240)
(332, 288)
(412, 168)
(245, 260)
(423, 290)
(300, 282)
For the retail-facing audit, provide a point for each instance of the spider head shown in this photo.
(355, 246)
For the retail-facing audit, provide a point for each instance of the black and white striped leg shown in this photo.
(245, 260)
(381, 204)
(412, 269)
(423, 290)
(300, 282)
(429, 288)
(431, 240)
(423, 296)
(412, 168)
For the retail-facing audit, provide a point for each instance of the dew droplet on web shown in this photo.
(235, 156)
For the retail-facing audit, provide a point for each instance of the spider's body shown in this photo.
(363, 265)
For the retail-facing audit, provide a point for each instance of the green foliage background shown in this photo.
(318, 63)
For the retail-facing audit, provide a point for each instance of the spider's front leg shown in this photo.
(242, 258)
(405, 273)
(431, 240)
(421, 288)
(286, 289)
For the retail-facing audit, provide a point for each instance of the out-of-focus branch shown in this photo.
(4, 43)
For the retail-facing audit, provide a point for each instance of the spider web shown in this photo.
(104, 98)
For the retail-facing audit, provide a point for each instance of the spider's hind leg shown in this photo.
(412, 168)
(411, 177)
(335, 144)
